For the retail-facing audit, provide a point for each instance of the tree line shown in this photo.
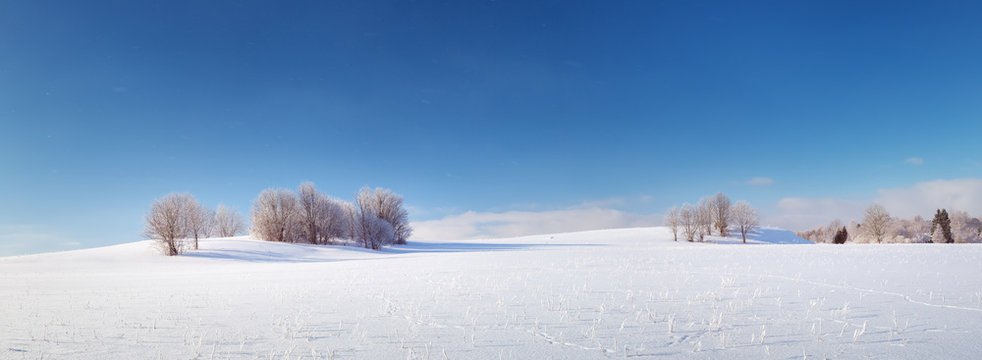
(714, 213)
(375, 219)
(877, 226)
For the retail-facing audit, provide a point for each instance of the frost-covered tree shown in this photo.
(816, 235)
(875, 222)
(274, 215)
(853, 229)
(704, 219)
(719, 207)
(373, 232)
(334, 224)
(822, 234)
(312, 213)
(910, 230)
(673, 221)
(973, 230)
(687, 215)
(386, 205)
(350, 214)
(320, 219)
(165, 222)
(920, 229)
(935, 222)
(197, 219)
(227, 222)
(746, 219)
(964, 229)
(937, 236)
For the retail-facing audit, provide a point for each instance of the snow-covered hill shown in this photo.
(593, 294)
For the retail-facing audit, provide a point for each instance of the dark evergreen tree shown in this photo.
(841, 236)
(941, 219)
(946, 226)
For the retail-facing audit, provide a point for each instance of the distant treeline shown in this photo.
(878, 226)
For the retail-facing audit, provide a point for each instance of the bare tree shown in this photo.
(372, 231)
(274, 215)
(822, 234)
(387, 206)
(197, 219)
(704, 219)
(334, 223)
(673, 221)
(350, 219)
(227, 222)
(165, 222)
(746, 218)
(719, 206)
(320, 218)
(875, 222)
(687, 215)
(963, 228)
(311, 211)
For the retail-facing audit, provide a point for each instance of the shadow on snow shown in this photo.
(448, 247)
(307, 253)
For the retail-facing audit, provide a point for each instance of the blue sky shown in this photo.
(482, 108)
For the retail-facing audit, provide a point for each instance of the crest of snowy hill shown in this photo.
(250, 250)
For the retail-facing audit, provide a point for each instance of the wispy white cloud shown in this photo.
(760, 181)
(926, 197)
(620, 202)
(805, 213)
(9, 249)
(919, 199)
(603, 203)
(477, 225)
(26, 238)
(914, 161)
(430, 212)
(70, 244)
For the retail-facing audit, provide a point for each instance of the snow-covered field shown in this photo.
(614, 293)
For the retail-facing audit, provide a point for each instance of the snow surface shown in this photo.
(613, 293)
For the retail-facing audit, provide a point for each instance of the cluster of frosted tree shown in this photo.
(878, 226)
(712, 214)
(178, 220)
(377, 218)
